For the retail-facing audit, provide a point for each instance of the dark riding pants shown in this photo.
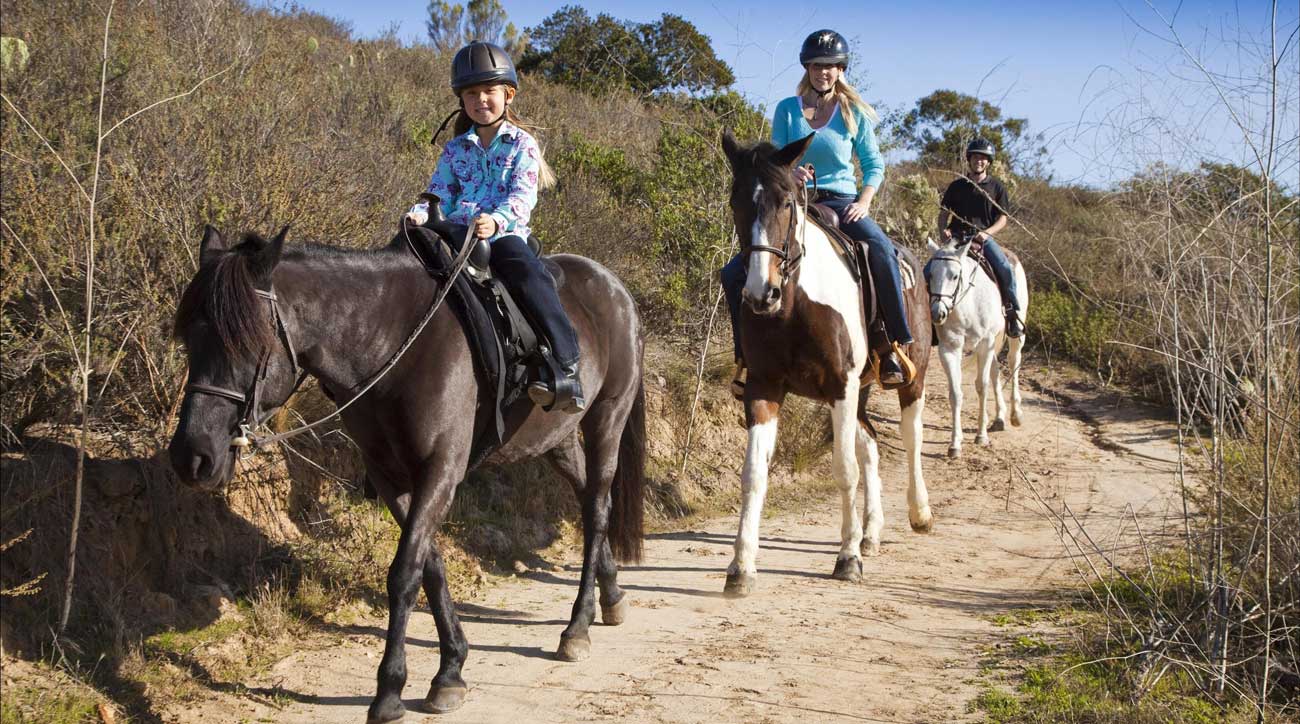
(528, 281)
(881, 258)
(1002, 269)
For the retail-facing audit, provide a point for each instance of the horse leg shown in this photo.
(951, 359)
(983, 360)
(873, 514)
(999, 398)
(1014, 347)
(602, 428)
(761, 409)
(428, 505)
(918, 498)
(447, 690)
(844, 464)
(567, 460)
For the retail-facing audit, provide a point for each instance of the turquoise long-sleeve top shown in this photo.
(831, 152)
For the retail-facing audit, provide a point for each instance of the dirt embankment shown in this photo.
(904, 646)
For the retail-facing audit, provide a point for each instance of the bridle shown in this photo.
(250, 401)
(789, 261)
(963, 286)
(249, 421)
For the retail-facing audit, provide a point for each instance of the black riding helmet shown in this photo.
(980, 146)
(825, 46)
(481, 62)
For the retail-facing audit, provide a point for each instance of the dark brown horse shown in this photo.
(257, 313)
(804, 332)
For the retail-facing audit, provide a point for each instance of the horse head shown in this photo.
(239, 369)
(945, 275)
(765, 208)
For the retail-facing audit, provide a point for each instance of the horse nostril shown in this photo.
(774, 295)
(200, 467)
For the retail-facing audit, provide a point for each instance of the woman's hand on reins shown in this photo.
(804, 174)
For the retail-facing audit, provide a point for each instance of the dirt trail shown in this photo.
(904, 646)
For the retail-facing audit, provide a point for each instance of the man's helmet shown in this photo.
(826, 47)
(980, 145)
(481, 62)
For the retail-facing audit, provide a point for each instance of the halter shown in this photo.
(789, 263)
(249, 402)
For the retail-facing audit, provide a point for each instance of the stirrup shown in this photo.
(564, 393)
(1015, 327)
(904, 362)
(738, 379)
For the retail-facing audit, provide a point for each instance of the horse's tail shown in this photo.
(627, 509)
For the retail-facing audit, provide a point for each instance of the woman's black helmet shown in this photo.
(481, 62)
(980, 145)
(826, 47)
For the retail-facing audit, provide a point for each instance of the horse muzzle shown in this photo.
(939, 312)
(766, 305)
(199, 464)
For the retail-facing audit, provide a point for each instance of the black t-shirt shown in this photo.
(974, 207)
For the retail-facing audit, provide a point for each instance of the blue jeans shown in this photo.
(1002, 270)
(881, 258)
(515, 264)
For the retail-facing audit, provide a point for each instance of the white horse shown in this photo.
(967, 312)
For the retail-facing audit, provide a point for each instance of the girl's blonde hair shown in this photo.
(850, 102)
(545, 176)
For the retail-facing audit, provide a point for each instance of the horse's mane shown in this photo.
(223, 295)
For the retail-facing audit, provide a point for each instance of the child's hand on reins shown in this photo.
(484, 226)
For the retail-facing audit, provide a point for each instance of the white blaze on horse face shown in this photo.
(826, 280)
(757, 280)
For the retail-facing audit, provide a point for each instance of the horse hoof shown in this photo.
(983, 441)
(922, 523)
(614, 614)
(444, 699)
(954, 452)
(739, 585)
(848, 569)
(573, 648)
(998, 426)
(1015, 419)
(870, 548)
(391, 710)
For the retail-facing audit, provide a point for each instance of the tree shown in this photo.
(602, 52)
(452, 26)
(942, 123)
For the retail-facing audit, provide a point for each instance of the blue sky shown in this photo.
(1099, 78)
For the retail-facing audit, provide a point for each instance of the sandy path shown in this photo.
(904, 646)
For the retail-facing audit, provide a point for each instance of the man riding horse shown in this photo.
(975, 205)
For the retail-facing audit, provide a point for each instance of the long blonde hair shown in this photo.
(545, 176)
(850, 102)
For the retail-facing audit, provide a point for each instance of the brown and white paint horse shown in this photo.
(803, 331)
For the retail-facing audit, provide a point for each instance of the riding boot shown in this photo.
(738, 379)
(891, 372)
(1015, 326)
(563, 394)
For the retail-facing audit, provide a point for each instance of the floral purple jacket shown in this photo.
(500, 180)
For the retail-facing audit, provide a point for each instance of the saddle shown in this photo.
(854, 255)
(507, 347)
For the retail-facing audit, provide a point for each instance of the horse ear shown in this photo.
(929, 244)
(211, 244)
(793, 151)
(730, 147)
(265, 259)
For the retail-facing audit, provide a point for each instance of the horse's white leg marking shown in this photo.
(918, 498)
(844, 463)
(950, 357)
(753, 489)
(983, 371)
(873, 515)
